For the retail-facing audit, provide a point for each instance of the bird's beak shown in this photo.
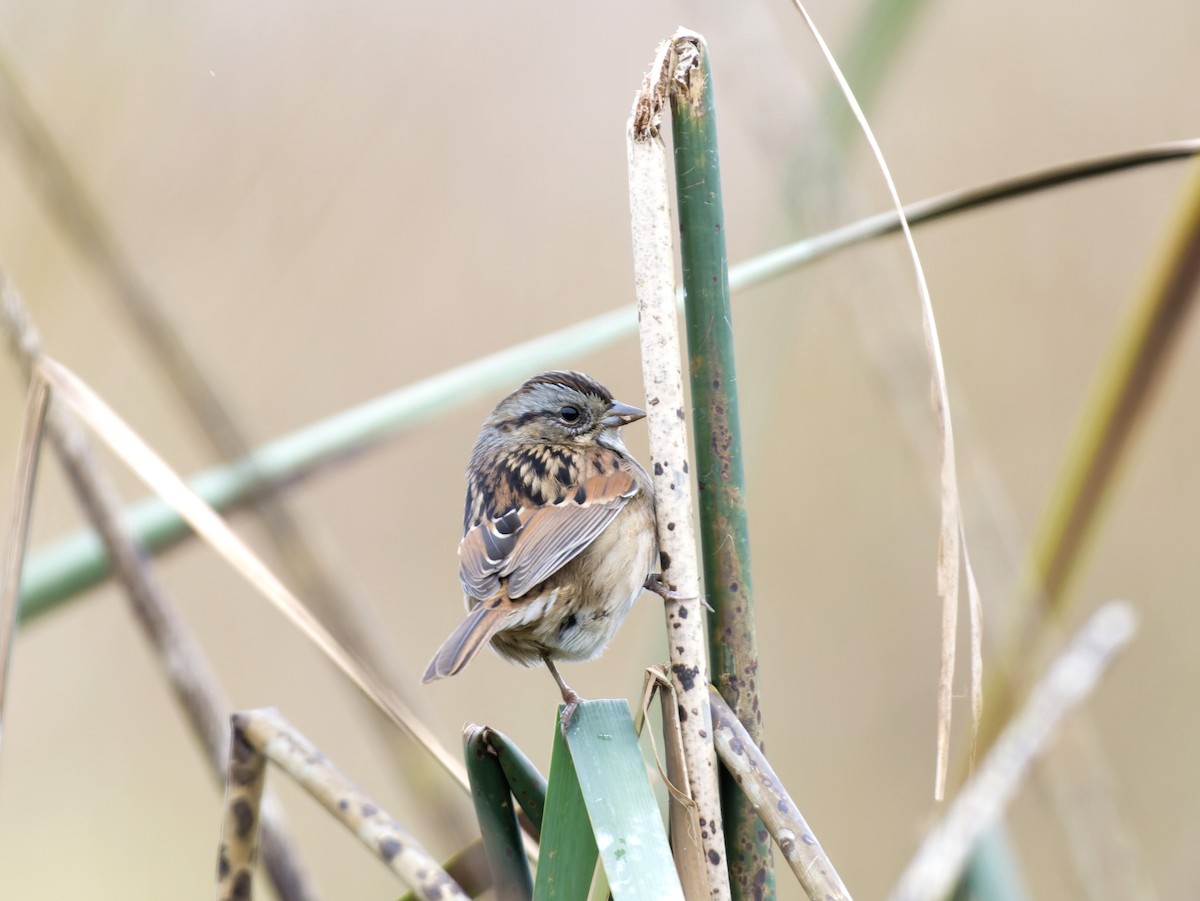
(620, 414)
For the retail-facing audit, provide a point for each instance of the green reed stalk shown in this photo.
(724, 533)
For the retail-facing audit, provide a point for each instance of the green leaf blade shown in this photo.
(621, 807)
(568, 849)
(497, 817)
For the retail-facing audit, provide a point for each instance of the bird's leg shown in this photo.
(655, 583)
(569, 695)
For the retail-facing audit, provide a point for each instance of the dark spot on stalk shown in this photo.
(242, 750)
(241, 886)
(686, 675)
(243, 815)
(389, 848)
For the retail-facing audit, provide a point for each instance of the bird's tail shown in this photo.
(466, 641)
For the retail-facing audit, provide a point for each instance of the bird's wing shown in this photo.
(528, 544)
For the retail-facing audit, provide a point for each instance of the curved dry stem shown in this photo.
(754, 775)
(951, 547)
(262, 735)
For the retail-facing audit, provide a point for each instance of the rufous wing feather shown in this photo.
(526, 545)
(466, 641)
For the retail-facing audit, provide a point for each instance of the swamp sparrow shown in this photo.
(558, 532)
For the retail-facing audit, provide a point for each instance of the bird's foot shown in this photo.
(654, 582)
(571, 701)
(570, 696)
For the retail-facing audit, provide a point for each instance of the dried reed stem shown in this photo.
(654, 274)
(754, 775)
(261, 735)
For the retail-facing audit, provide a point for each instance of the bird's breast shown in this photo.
(607, 578)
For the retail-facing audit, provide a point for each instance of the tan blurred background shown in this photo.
(337, 200)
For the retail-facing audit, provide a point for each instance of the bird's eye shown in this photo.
(569, 414)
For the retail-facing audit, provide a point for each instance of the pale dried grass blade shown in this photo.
(975, 608)
(1069, 681)
(683, 818)
(950, 549)
(303, 559)
(186, 671)
(148, 466)
(654, 279)
(32, 430)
